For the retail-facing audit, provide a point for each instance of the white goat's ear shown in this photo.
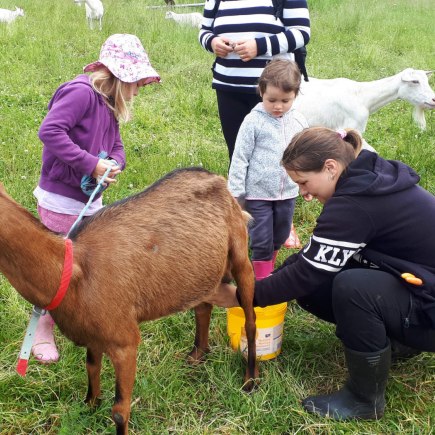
(428, 73)
(408, 75)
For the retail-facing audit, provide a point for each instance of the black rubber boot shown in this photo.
(363, 395)
(401, 352)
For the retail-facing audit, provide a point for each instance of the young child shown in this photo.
(256, 175)
(81, 140)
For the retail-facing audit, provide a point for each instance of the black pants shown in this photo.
(368, 306)
(271, 226)
(233, 107)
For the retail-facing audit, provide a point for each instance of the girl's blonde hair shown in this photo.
(112, 89)
(309, 149)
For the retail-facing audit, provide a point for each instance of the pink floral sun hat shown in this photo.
(124, 56)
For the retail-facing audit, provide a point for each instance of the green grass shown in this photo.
(176, 125)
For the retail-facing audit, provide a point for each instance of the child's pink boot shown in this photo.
(262, 268)
(44, 348)
(293, 241)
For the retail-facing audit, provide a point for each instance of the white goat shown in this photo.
(94, 12)
(193, 19)
(343, 103)
(7, 16)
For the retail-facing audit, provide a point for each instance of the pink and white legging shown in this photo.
(57, 222)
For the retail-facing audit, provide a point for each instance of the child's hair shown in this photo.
(281, 73)
(111, 88)
(310, 148)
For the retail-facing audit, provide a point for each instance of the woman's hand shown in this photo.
(221, 46)
(246, 49)
(101, 168)
(225, 296)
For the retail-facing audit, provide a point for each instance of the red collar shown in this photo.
(65, 278)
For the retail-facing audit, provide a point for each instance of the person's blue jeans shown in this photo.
(271, 226)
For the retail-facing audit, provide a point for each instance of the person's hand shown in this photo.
(101, 168)
(246, 49)
(221, 46)
(308, 197)
(225, 296)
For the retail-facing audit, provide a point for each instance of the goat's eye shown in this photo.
(416, 82)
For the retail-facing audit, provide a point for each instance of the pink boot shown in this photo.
(44, 349)
(262, 268)
(293, 241)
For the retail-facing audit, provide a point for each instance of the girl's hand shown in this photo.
(225, 296)
(246, 49)
(221, 46)
(101, 168)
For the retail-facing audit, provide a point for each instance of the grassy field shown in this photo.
(176, 125)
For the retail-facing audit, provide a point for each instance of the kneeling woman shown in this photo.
(369, 266)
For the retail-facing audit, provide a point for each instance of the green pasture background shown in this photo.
(176, 125)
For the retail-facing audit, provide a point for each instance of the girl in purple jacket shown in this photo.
(81, 141)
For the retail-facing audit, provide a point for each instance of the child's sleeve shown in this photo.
(66, 111)
(243, 149)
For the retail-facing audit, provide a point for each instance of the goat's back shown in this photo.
(162, 250)
(332, 103)
(192, 18)
(7, 16)
(94, 9)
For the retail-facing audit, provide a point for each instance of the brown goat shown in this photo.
(164, 250)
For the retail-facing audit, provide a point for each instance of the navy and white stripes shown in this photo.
(252, 19)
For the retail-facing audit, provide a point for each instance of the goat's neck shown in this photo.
(378, 93)
(31, 257)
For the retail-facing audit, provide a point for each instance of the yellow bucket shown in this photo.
(270, 326)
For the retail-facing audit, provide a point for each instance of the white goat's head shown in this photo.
(415, 88)
(19, 12)
(169, 15)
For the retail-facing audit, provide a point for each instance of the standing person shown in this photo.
(256, 175)
(244, 36)
(362, 268)
(81, 140)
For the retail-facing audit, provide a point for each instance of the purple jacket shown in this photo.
(78, 126)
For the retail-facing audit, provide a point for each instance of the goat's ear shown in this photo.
(428, 73)
(408, 75)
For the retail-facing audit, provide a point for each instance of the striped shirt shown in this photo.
(252, 19)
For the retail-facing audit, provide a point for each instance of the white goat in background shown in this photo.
(7, 16)
(193, 19)
(343, 103)
(94, 12)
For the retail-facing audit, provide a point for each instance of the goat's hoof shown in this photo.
(118, 418)
(250, 385)
(197, 356)
(93, 402)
